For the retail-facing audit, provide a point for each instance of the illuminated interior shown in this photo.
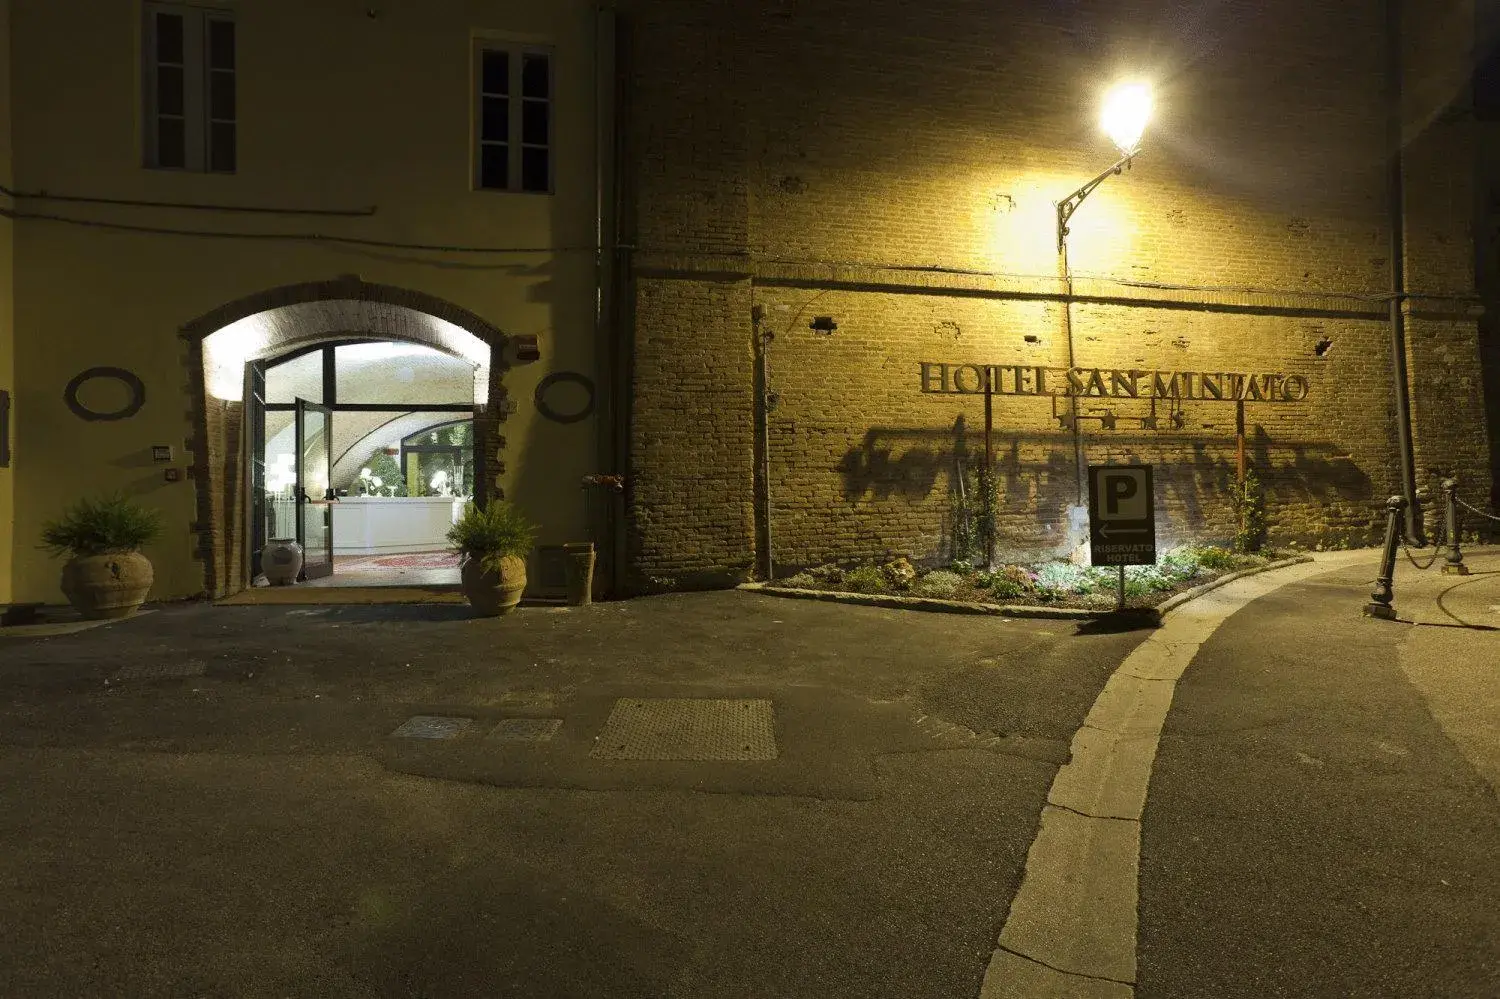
(364, 455)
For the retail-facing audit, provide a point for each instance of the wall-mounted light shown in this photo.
(1126, 111)
(526, 348)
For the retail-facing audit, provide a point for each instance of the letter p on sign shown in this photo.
(1123, 494)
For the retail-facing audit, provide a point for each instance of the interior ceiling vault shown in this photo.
(284, 328)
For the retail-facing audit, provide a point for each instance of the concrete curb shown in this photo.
(937, 605)
(1076, 911)
(1171, 603)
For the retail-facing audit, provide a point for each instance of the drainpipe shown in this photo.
(613, 307)
(764, 403)
(1395, 188)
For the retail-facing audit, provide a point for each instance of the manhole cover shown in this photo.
(526, 729)
(432, 727)
(155, 671)
(674, 728)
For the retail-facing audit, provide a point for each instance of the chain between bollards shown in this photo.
(1380, 604)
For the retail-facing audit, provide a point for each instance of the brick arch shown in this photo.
(218, 440)
(350, 288)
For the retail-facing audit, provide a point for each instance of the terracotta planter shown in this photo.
(494, 593)
(107, 586)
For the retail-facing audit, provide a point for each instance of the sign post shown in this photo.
(1122, 519)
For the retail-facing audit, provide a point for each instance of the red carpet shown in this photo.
(418, 560)
(410, 560)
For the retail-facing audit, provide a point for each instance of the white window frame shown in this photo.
(516, 52)
(196, 19)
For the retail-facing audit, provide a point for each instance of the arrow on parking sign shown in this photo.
(1105, 530)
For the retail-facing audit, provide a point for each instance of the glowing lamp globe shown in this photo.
(1127, 109)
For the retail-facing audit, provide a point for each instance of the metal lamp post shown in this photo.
(1126, 110)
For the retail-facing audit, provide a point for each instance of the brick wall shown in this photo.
(692, 455)
(895, 167)
(863, 462)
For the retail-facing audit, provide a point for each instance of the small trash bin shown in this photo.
(580, 570)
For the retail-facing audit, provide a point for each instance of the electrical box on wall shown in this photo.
(161, 452)
(527, 348)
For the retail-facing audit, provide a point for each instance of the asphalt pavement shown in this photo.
(209, 801)
(214, 801)
(1322, 818)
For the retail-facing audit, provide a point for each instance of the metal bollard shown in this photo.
(1453, 564)
(1380, 601)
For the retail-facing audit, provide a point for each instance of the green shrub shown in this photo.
(1066, 578)
(385, 468)
(101, 527)
(899, 573)
(825, 575)
(1218, 559)
(801, 581)
(1148, 578)
(1250, 507)
(865, 579)
(1007, 581)
(1006, 589)
(1181, 562)
(492, 533)
(939, 583)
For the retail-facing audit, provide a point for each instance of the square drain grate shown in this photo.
(679, 728)
(432, 727)
(156, 671)
(526, 729)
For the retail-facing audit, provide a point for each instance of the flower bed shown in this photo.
(1048, 584)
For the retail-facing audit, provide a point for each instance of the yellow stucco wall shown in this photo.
(336, 110)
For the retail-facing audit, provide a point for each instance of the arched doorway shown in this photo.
(232, 347)
(363, 452)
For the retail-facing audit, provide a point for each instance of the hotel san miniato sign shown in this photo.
(1111, 383)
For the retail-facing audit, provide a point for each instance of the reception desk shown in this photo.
(385, 525)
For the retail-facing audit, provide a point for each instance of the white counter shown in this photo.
(383, 525)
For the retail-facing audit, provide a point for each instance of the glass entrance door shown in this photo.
(313, 489)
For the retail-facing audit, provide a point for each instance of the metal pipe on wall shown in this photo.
(1080, 467)
(1396, 315)
(763, 404)
(611, 332)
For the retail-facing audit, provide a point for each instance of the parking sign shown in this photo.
(1122, 515)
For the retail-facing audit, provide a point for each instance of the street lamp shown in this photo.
(1127, 109)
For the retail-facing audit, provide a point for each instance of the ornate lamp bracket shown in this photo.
(1067, 206)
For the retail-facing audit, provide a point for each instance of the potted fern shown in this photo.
(106, 576)
(493, 543)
